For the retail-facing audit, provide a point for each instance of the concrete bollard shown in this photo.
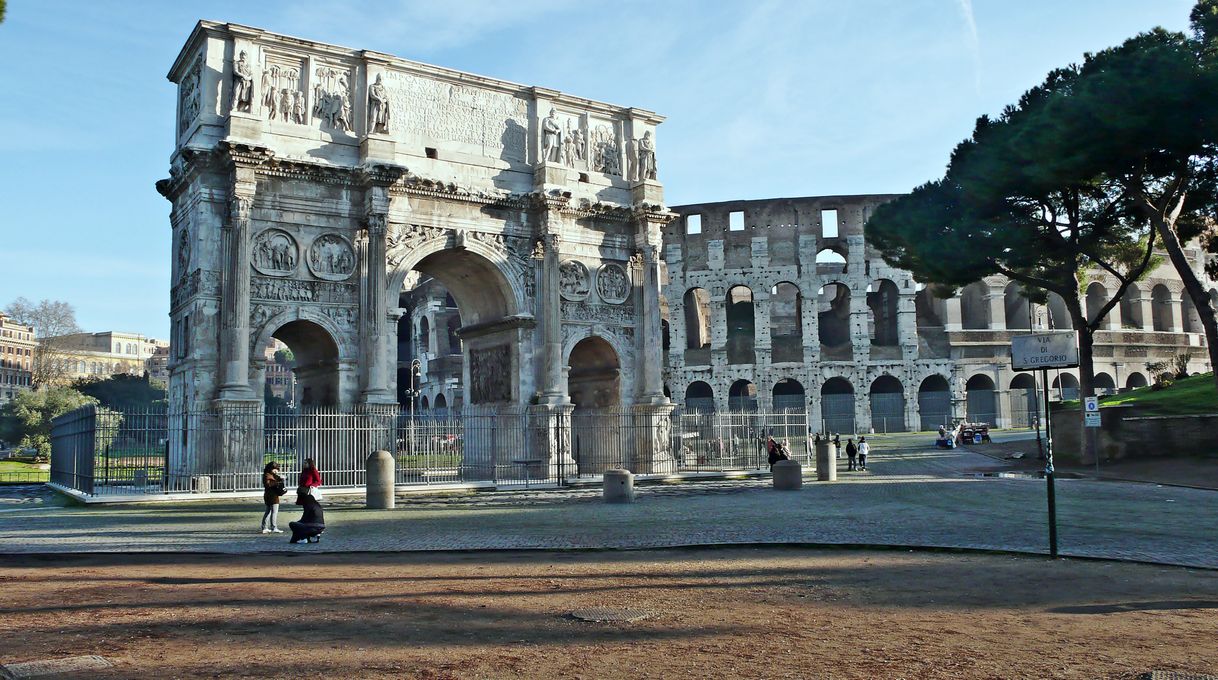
(378, 490)
(788, 475)
(826, 462)
(619, 486)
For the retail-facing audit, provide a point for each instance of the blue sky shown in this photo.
(763, 99)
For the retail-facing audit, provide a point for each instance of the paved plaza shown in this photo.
(912, 496)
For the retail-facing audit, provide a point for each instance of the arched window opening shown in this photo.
(1024, 404)
(789, 396)
(786, 323)
(981, 401)
(830, 261)
(1016, 307)
(696, 303)
(882, 301)
(699, 397)
(837, 406)
(1131, 309)
(1161, 307)
(742, 397)
(833, 322)
(1097, 297)
(741, 326)
(975, 306)
(887, 404)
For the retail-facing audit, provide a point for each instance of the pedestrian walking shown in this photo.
(851, 453)
(312, 521)
(272, 489)
(864, 449)
(837, 445)
(310, 476)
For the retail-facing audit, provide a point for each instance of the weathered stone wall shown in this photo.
(1123, 433)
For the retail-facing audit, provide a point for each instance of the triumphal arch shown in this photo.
(308, 181)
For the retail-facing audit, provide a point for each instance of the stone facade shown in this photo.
(17, 344)
(310, 181)
(782, 304)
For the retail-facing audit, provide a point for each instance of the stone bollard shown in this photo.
(619, 486)
(826, 462)
(788, 475)
(378, 489)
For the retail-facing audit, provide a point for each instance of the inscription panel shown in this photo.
(493, 122)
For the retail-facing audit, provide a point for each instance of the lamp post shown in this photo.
(412, 393)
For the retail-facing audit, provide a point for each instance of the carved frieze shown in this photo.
(346, 318)
(261, 313)
(573, 280)
(282, 90)
(490, 374)
(606, 152)
(332, 97)
(275, 253)
(199, 282)
(189, 95)
(287, 290)
(622, 314)
(406, 237)
(612, 283)
(331, 258)
(493, 122)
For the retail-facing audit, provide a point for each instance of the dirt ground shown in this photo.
(773, 613)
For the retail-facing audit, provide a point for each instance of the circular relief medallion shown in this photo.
(573, 280)
(275, 253)
(612, 283)
(331, 258)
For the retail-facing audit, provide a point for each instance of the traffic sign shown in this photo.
(1091, 404)
(1091, 419)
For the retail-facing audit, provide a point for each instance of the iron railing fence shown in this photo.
(101, 452)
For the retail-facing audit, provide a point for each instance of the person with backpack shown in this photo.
(864, 449)
(852, 452)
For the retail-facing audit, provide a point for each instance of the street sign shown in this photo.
(1091, 411)
(1044, 350)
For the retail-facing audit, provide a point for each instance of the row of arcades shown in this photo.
(885, 405)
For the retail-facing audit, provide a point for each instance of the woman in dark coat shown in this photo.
(312, 523)
(272, 489)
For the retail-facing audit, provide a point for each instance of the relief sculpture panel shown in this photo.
(612, 283)
(573, 280)
(490, 374)
(331, 258)
(275, 253)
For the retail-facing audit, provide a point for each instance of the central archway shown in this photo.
(482, 342)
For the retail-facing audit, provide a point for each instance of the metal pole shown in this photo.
(1049, 470)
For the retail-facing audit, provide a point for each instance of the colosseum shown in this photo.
(780, 304)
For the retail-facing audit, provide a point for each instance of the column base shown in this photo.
(652, 438)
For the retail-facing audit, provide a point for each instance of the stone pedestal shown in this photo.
(619, 486)
(652, 439)
(826, 462)
(788, 475)
(380, 481)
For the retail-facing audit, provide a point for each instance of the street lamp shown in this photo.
(412, 393)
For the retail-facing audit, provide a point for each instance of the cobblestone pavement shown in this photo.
(913, 495)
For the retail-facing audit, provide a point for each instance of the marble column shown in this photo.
(375, 312)
(651, 360)
(553, 390)
(235, 311)
(996, 298)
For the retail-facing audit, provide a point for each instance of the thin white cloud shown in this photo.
(971, 39)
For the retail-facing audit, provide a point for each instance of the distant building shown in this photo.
(17, 345)
(100, 355)
(279, 375)
(157, 365)
(427, 332)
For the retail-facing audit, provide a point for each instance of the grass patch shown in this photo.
(1195, 394)
(18, 472)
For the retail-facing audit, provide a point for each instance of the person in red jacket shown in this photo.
(310, 476)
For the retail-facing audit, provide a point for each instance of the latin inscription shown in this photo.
(492, 121)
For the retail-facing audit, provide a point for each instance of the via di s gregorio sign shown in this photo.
(1058, 349)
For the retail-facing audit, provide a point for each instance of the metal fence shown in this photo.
(102, 452)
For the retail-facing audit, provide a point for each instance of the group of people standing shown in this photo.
(312, 522)
(856, 454)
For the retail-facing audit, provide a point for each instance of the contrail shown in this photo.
(974, 44)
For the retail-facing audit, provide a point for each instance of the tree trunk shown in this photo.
(1192, 285)
(1086, 368)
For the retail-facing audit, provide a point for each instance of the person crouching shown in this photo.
(312, 522)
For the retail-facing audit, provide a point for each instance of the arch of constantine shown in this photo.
(311, 183)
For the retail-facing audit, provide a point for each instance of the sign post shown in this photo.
(1044, 351)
